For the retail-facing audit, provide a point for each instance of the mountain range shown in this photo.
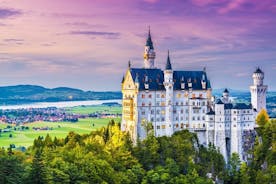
(21, 94)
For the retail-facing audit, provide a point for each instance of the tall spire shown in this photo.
(149, 41)
(149, 54)
(129, 64)
(168, 64)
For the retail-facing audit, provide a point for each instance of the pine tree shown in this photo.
(38, 174)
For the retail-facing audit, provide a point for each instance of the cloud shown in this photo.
(151, 1)
(13, 41)
(232, 5)
(111, 35)
(48, 44)
(6, 12)
(207, 2)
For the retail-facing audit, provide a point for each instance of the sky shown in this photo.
(87, 44)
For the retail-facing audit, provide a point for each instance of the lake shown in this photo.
(58, 104)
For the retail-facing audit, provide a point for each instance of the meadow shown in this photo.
(95, 109)
(59, 130)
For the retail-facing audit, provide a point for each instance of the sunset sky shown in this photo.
(86, 44)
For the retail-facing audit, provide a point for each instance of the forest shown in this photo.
(107, 155)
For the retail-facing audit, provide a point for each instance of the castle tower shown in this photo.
(225, 96)
(149, 54)
(219, 137)
(258, 90)
(168, 83)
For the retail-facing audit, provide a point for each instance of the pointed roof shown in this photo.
(123, 79)
(149, 41)
(226, 91)
(168, 64)
(258, 70)
(219, 101)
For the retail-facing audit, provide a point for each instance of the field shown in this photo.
(94, 109)
(59, 129)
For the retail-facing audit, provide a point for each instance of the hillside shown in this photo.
(30, 93)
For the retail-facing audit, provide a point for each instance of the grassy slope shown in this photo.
(92, 109)
(26, 137)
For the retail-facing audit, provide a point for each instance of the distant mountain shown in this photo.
(30, 93)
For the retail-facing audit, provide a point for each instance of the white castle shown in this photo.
(175, 100)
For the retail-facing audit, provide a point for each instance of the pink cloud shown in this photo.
(232, 5)
(207, 2)
(151, 1)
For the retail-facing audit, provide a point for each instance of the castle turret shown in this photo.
(258, 90)
(225, 96)
(168, 83)
(149, 54)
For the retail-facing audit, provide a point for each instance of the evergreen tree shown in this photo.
(39, 172)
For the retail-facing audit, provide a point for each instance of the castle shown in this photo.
(174, 100)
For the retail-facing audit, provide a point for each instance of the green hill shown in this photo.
(30, 93)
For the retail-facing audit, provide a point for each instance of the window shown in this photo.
(158, 112)
(193, 103)
(158, 126)
(162, 103)
(143, 95)
(150, 104)
(152, 111)
(193, 118)
(176, 103)
(152, 119)
(163, 96)
(162, 119)
(181, 111)
(158, 95)
(198, 118)
(143, 104)
(203, 103)
(143, 112)
(193, 95)
(178, 95)
(163, 126)
(149, 95)
(162, 112)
